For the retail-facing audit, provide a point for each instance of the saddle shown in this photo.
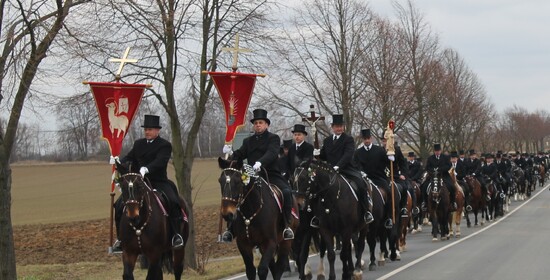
(277, 194)
(165, 203)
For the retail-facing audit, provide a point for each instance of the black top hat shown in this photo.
(437, 147)
(489, 155)
(461, 152)
(499, 155)
(299, 128)
(151, 121)
(472, 152)
(287, 143)
(338, 119)
(365, 133)
(454, 154)
(411, 154)
(260, 114)
(499, 152)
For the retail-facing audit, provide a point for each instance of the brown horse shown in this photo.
(145, 229)
(477, 202)
(456, 216)
(254, 209)
(405, 223)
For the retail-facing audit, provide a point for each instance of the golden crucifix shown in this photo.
(123, 61)
(236, 50)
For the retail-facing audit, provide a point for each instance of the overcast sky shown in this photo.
(505, 42)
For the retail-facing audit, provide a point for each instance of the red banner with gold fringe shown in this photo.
(235, 90)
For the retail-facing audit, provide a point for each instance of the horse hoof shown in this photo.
(372, 267)
(435, 239)
(320, 277)
(363, 265)
(381, 263)
(358, 275)
(457, 235)
(414, 231)
(309, 276)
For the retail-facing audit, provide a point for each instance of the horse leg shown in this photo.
(155, 268)
(435, 227)
(268, 251)
(359, 248)
(283, 250)
(371, 241)
(179, 259)
(345, 257)
(331, 255)
(129, 262)
(248, 259)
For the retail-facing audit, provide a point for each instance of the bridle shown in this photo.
(243, 194)
(130, 179)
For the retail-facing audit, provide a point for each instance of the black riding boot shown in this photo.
(365, 204)
(177, 239)
(119, 208)
(403, 202)
(287, 216)
(389, 222)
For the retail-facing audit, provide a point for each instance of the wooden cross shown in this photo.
(235, 50)
(312, 120)
(122, 61)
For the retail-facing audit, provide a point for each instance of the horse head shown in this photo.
(232, 182)
(134, 191)
(301, 183)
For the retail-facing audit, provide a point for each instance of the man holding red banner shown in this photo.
(261, 150)
(149, 156)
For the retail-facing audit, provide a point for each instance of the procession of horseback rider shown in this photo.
(338, 151)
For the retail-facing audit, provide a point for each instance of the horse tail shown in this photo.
(166, 262)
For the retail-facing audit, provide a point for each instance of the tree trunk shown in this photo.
(7, 250)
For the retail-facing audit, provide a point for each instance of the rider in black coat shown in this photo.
(442, 163)
(372, 160)
(261, 150)
(300, 151)
(338, 151)
(149, 156)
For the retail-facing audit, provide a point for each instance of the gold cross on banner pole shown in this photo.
(236, 50)
(123, 61)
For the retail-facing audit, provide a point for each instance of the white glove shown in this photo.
(113, 160)
(257, 166)
(336, 168)
(143, 171)
(316, 152)
(227, 149)
(363, 174)
(392, 158)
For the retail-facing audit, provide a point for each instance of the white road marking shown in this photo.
(400, 269)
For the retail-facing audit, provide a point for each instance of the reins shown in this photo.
(139, 231)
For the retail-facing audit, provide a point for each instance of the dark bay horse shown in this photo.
(145, 229)
(477, 201)
(305, 233)
(438, 206)
(254, 209)
(335, 203)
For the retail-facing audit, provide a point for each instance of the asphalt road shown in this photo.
(512, 247)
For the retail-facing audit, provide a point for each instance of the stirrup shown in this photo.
(314, 223)
(177, 241)
(227, 237)
(404, 213)
(117, 247)
(368, 217)
(388, 224)
(415, 211)
(468, 208)
(288, 234)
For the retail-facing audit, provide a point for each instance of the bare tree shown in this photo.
(320, 58)
(422, 79)
(384, 71)
(28, 30)
(78, 118)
